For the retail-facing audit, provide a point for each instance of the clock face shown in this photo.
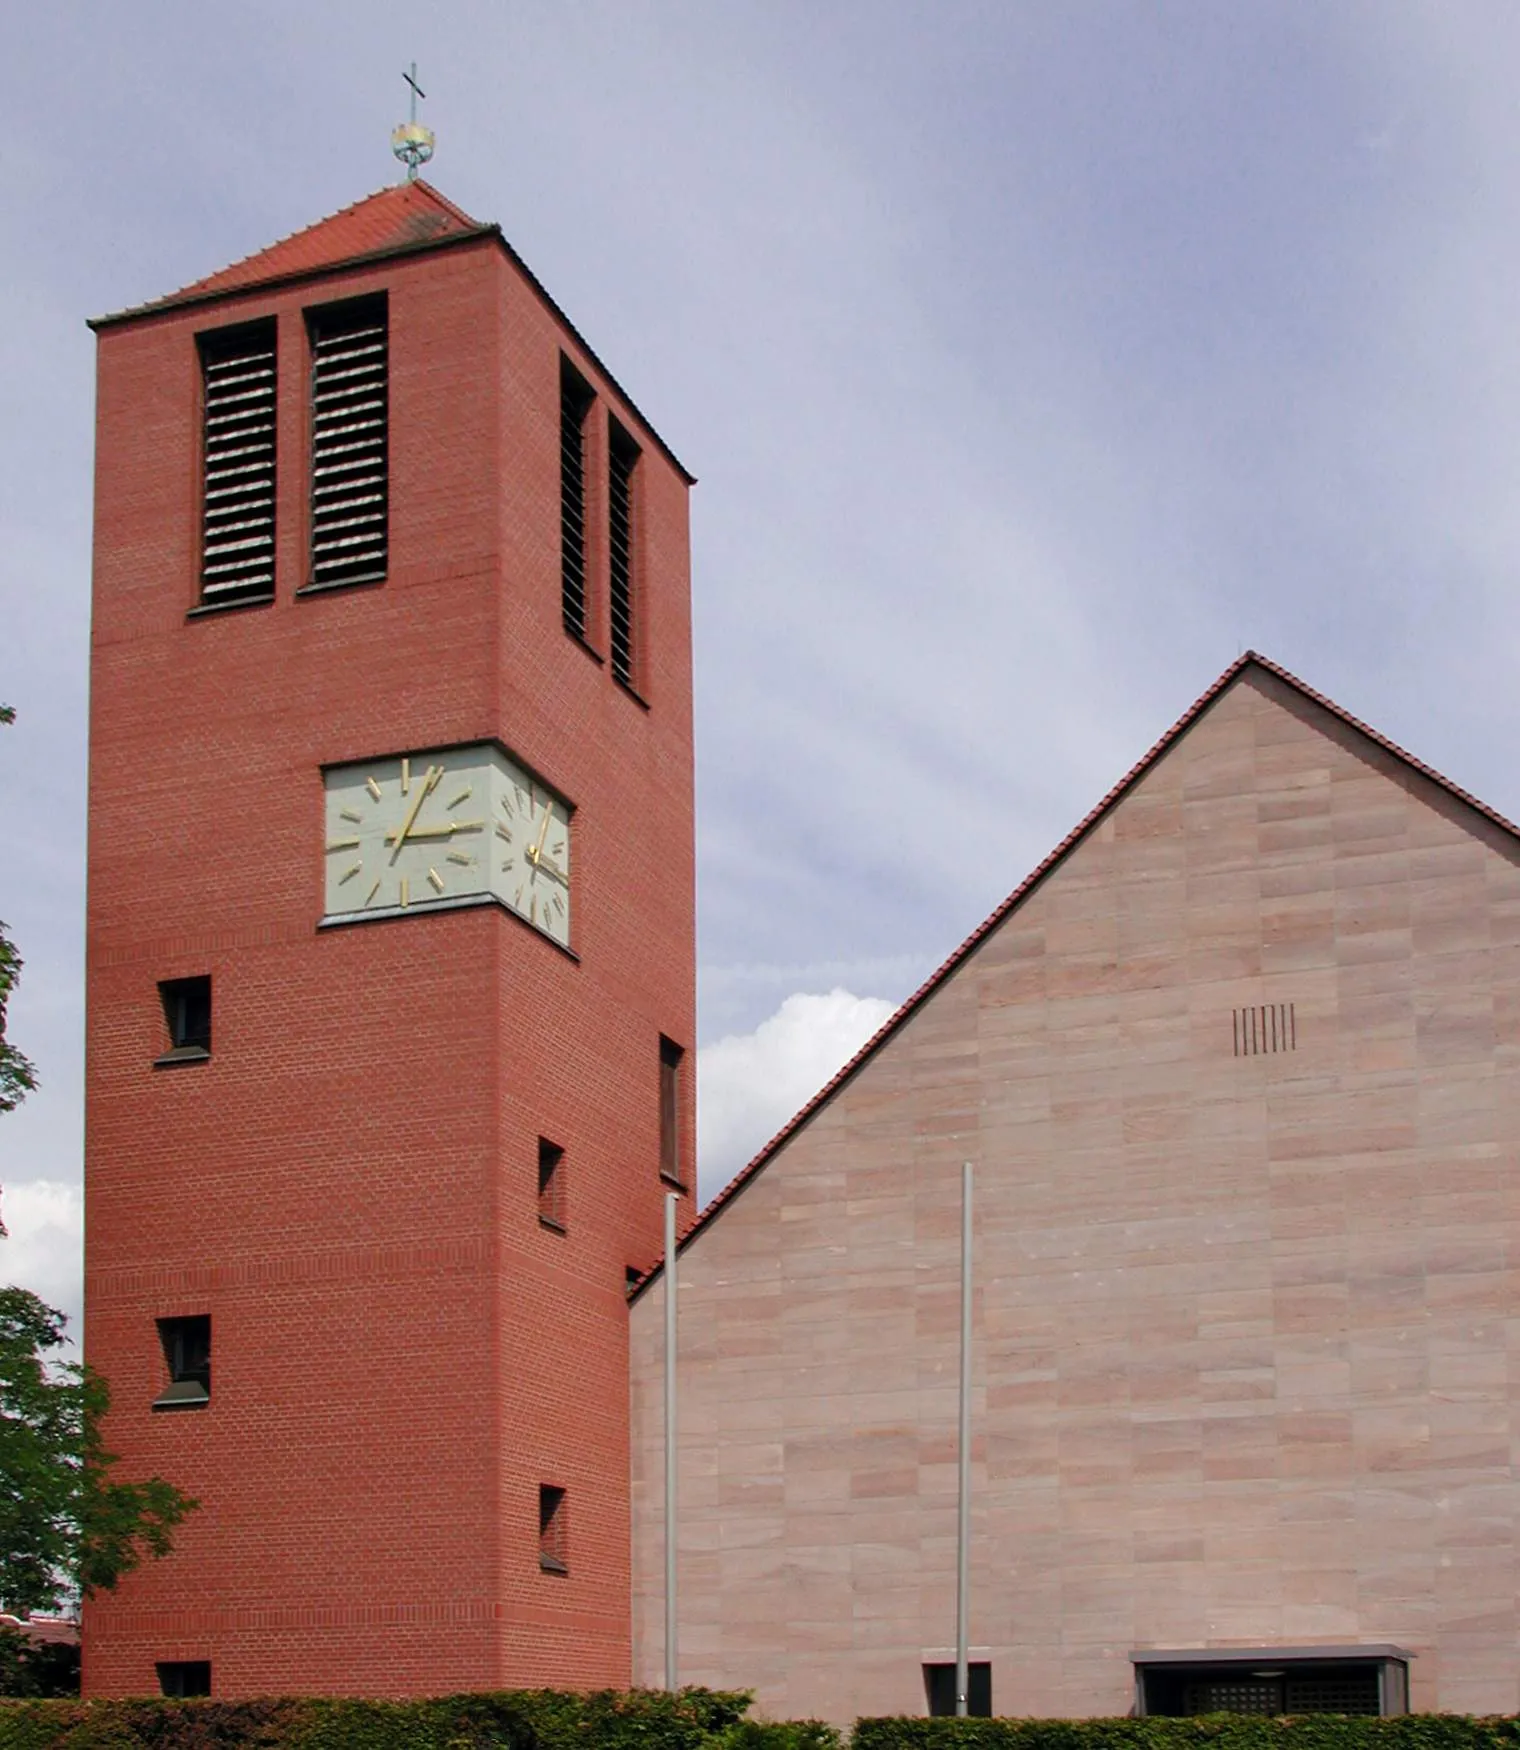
(424, 829)
(530, 846)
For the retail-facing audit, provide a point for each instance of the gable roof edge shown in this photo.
(747, 1174)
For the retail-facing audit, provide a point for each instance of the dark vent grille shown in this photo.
(349, 445)
(1267, 1027)
(1235, 1695)
(574, 403)
(237, 525)
(622, 455)
(1340, 1692)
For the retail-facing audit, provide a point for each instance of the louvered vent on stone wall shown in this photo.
(1266, 1027)
(238, 450)
(349, 447)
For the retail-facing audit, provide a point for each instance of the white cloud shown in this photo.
(45, 1250)
(750, 1084)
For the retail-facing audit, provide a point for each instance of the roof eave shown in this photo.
(187, 300)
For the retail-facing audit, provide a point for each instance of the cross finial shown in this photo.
(411, 142)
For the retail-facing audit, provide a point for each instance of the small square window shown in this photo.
(187, 1353)
(553, 1530)
(939, 1689)
(184, 1677)
(187, 1015)
(551, 1184)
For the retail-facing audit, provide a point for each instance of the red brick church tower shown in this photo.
(391, 963)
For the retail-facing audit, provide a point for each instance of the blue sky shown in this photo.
(1035, 359)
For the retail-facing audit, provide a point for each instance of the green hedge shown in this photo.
(694, 1719)
(1209, 1732)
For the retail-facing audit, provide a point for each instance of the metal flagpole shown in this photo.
(671, 1200)
(963, 1506)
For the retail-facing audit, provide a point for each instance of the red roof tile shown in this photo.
(1027, 886)
(410, 215)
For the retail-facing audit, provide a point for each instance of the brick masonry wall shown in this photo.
(1245, 1326)
(401, 1352)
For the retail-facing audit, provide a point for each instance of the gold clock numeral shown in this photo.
(350, 814)
(462, 858)
(533, 910)
(372, 892)
(436, 879)
(349, 874)
(406, 776)
(343, 844)
(505, 833)
(373, 788)
(559, 904)
(454, 801)
(405, 892)
(518, 900)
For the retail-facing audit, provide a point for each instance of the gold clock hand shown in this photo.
(543, 830)
(434, 773)
(438, 832)
(550, 869)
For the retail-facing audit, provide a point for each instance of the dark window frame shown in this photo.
(181, 1679)
(186, 1004)
(186, 1343)
(624, 643)
(939, 1689)
(576, 400)
(328, 326)
(1277, 1680)
(672, 1056)
(553, 1529)
(551, 1186)
(231, 360)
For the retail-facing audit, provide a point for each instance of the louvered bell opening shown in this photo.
(349, 449)
(237, 537)
(574, 402)
(621, 458)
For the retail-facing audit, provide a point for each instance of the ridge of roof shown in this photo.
(400, 216)
(1251, 658)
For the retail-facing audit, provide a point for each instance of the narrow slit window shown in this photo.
(622, 534)
(551, 1184)
(238, 384)
(670, 1113)
(186, 1344)
(553, 1530)
(575, 400)
(350, 452)
(187, 1019)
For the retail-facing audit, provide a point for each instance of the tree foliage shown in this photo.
(17, 1077)
(66, 1529)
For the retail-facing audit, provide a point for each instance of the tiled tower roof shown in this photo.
(410, 215)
